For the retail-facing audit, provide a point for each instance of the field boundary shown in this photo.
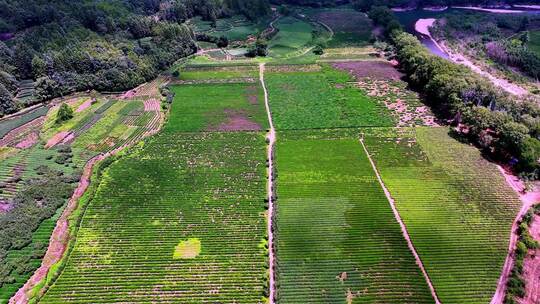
(271, 138)
(401, 224)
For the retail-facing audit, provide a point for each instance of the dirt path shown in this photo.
(60, 237)
(528, 200)
(271, 137)
(422, 26)
(531, 267)
(402, 225)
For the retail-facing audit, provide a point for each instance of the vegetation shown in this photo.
(515, 287)
(64, 113)
(214, 107)
(337, 239)
(456, 205)
(501, 38)
(208, 186)
(67, 46)
(294, 34)
(321, 99)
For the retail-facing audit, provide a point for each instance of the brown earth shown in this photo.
(374, 69)
(236, 121)
(531, 268)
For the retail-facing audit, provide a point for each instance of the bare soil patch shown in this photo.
(293, 68)
(29, 141)
(252, 95)
(374, 69)
(236, 121)
(531, 268)
(5, 206)
(57, 138)
(85, 105)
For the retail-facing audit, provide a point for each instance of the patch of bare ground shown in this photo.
(531, 268)
(85, 105)
(528, 199)
(5, 206)
(24, 136)
(252, 94)
(375, 69)
(236, 121)
(57, 138)
(60, 237)
(28, 141)
(293, 68)
(381, 81)
(217, 81)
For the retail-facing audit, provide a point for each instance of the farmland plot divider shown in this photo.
(401, 224)
(271, 138)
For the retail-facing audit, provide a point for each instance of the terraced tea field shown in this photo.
(203, 186)
(456, 206)
(218, 107)
(337, 239)
(42, 166)
(321, 99)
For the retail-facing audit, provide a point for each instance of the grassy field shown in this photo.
(351, 28)
(219, 73)
(293, 35)
(234, 28)
(135, 243)
(534, 41)
(218, 107)
(324, 99)
(456, 206)
(337, 239)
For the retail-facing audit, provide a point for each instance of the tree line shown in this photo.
(505, 127)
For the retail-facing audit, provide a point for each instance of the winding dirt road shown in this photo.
(60, 237)
(271, 137)
(401, 224)
(528, 200)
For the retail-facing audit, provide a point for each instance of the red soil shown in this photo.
(57, 138)
(19, 134)
(152, 105)
(5, 206)
(29, 141)
(60, 236)
(528, 199)
(236, 121)
(374, 69)
(531, 268)
(85, 105)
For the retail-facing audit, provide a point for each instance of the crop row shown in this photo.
(337, 238)
(456, 206)
(179, 186)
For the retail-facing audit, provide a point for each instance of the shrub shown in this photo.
(64, 113)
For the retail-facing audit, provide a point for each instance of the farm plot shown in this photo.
(351, 28)
(324, 99)
(218, 107)
(239, 72)
(180, 219)
(293, 35)
(456, 206)
(337, 238)
(40, 165)
(382, 82)
(534, 41)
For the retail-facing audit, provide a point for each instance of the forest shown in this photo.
(50, 49)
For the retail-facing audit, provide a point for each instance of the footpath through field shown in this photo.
(401, 224)
(271, 140)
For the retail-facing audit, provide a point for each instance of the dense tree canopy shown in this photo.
(65, 46)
